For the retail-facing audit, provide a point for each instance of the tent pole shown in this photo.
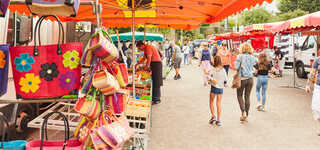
(96, 5)
(134, 51)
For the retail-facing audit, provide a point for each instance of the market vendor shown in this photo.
(152, 60)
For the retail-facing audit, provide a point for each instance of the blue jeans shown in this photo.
(262, 83)
(186, 56)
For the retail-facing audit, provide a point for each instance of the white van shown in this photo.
(306, 50)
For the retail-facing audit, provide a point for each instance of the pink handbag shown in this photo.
(54, 145)
(117, 132)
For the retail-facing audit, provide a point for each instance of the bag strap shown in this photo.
(37, 29)
(4, 122)
(44, 128)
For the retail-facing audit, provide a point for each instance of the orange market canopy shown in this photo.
(182, 14)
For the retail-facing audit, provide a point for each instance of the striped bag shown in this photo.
(103, 47)
(88, 106)
(105, 82)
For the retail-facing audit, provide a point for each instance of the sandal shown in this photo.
(212, 120)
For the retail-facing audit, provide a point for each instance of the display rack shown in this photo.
(55, 122)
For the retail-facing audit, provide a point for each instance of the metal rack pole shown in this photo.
(134, 48)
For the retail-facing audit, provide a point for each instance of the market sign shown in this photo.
(258, 27)
(147, 13)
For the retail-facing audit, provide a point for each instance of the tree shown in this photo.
(256, 16)
(290, 15)
(311, 6)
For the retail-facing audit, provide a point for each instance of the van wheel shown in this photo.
(300, 70)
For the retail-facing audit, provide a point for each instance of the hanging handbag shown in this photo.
(121, 73)
(53, 7)
(236, 82)
(9, 145)
(3, 7)
(101, 45)
(105, 82)
(117, 102)
(83, 130)
(39, 69)
(66, 144)
(117, 132)
(4, 65)
(88, 106)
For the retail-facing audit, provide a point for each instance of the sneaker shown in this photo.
(175, 77)
(218, 123)
(156, 102)
(261, 108)
(212, 120)
(178, 77)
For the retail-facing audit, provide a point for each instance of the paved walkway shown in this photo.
(180, 122)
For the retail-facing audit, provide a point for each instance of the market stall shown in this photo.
(107, 102)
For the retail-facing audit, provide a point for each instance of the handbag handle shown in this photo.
(4, 122)
(44, 128)
(37, 29)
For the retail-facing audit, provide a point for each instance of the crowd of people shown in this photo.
(215, 62)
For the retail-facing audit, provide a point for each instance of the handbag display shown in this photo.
(3, 7)
(105, 82)
(117, 132)
(9, 145)
(40, 68)
(4, 65)
(66, 144)
(236, 82)
(54, 7)
(101, 45)
(121, 73)
(88, 106)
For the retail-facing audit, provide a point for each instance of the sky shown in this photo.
(271, 7)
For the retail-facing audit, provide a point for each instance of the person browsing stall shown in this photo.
(152, 62)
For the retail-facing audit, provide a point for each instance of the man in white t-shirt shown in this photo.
(186, 51)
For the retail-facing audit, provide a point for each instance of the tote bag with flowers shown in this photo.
(46, 71)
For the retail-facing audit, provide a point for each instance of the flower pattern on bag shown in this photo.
(71, 59)
(48, 71)
(67, 80)
(24, 62)
(29, 83)
(2, 59)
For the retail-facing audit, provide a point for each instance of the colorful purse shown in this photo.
(66, 144)
(117, 132)
(4, 59)
(103, 48)
(121, 74)
(105, 82)
(39, 69)
(88, 106)
(117, 102)
(53, 7)
(3, 7)
(9, 145)
(82, 133)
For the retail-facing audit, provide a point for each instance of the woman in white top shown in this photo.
(186, 50)
(218, 80)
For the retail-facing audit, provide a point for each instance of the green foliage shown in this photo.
(311, 6)
(289, 15)
(198, 36)
(256, 16)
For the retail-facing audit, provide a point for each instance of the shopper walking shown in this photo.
(217, 79)
(152, 61)
(280, 61)
(225, 55)
(190, 52)
(186, 51)
(176, 58)
(205, 58)
(315, 76)
(262, 69)
(129, 53)
(246, 61)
